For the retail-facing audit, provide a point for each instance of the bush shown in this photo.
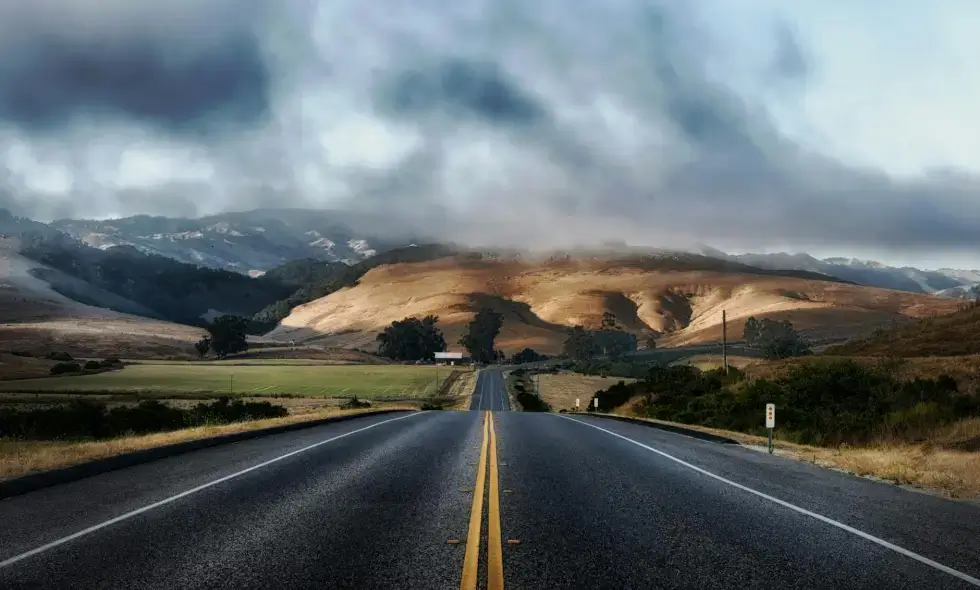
(111, 362)
(82, 419)
(354, 404)
(59, 356)
(66, 368)
(817, 403)
(93, 366)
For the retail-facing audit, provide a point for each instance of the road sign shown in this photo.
(770, 415)
(449, 355)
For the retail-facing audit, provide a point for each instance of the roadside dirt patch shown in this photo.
(560, 391)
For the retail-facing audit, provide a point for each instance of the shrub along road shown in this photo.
(562, 501)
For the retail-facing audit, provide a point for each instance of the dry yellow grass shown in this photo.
(561, 390)
(18, 367)
(462, 390)
(19, 458)
(933, 467)
(539, 300)
(713, 361)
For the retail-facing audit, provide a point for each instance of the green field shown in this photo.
(377, 382)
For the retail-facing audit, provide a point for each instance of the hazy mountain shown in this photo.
(943, 282)
(242, 241)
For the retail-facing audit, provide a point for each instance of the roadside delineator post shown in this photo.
(770, 422)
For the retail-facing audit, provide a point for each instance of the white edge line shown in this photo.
(138, 511)
(922, 559)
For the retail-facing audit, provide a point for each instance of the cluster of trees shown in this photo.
(414, 339)
(527, 355)
(411, 339)
(610, 340)
(227, 334)
(776, 339)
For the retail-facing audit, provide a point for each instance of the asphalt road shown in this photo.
(564, 502)
(490, 392)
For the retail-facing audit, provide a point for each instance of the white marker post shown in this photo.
(576, 403)
(770, 422)
(596, 404)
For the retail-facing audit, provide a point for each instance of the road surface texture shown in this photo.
(490, 392)
(562, 501)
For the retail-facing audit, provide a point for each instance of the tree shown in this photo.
(228, 335)
(580, 344)
(614, 343)
(608, 320)
(202, 346)
(411, 339)
(650, 341)
(482, 331)
(776, 339)
(528, 355)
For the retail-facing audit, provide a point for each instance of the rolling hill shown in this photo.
(37, 319)
(678, 296)
(956, 334)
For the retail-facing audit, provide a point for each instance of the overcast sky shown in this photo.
(836, 127)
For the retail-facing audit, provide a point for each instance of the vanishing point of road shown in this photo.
(484, 499)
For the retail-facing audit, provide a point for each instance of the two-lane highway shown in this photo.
(491, 392)
(484, 499)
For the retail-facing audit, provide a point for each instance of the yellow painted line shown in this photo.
(471, 561)
(495, 560)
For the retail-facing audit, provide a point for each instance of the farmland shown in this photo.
(177, 380)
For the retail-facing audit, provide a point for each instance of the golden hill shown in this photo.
(540, 299)
(34, 318)
(951, 335)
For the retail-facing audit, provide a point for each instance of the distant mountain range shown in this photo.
(248, 242)
(944, 282)
(253, 242)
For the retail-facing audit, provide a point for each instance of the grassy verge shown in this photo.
(19, 458)
(461, 390)
(930, 466)
(377, 382)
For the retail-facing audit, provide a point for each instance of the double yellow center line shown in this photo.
(471, 562)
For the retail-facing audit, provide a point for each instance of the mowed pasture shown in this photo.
(176, 380)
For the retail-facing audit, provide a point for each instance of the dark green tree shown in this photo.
(580, 344)
(202, 346)
(614, 343)
(228, 335)
(776, 339)
(650, 341)
(608, 320)
(528, 355)
(411, 339)
(482, 331)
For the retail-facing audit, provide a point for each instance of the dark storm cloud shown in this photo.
(45, 85)
(460, 88)
(61, 60)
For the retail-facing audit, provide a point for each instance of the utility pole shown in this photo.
(724, 339)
